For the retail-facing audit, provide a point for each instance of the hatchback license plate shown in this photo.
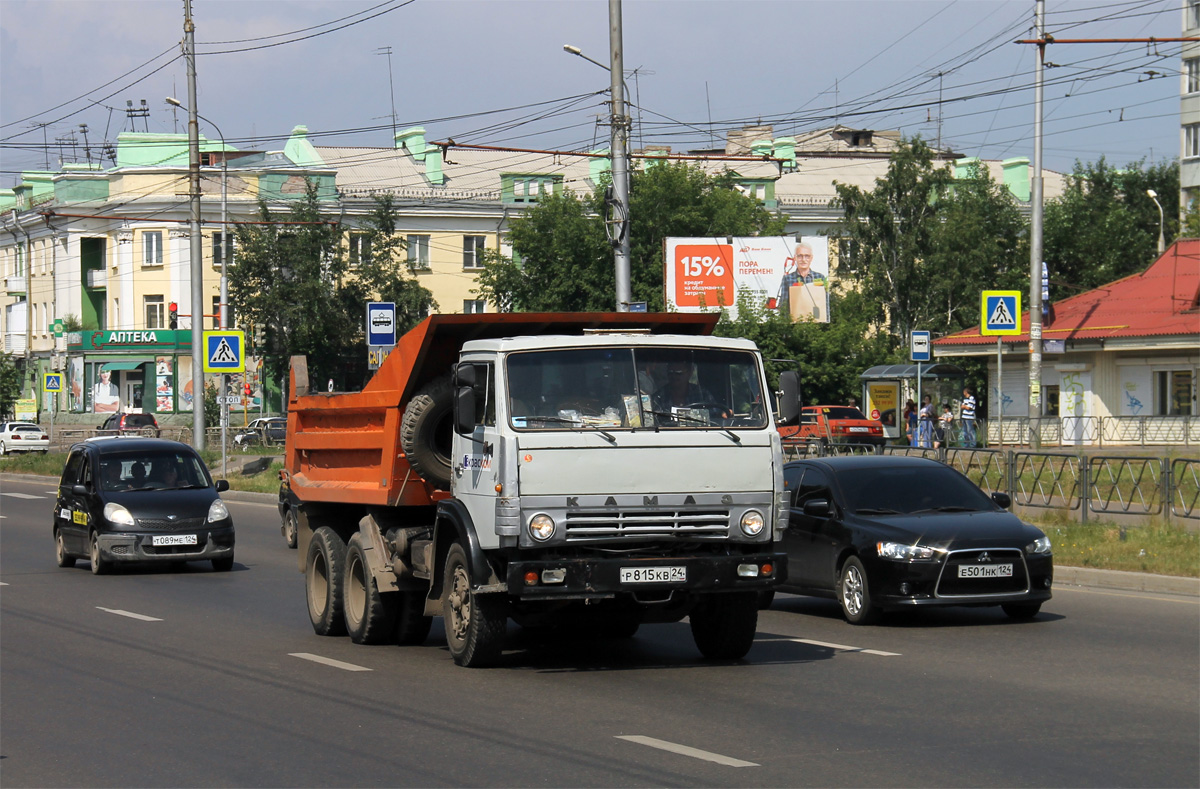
(985, 571)
(653, 575)
(173, 539)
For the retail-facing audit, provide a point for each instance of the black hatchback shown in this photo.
(891, 532)
(126, 499)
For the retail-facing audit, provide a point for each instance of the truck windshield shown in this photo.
(608, 388)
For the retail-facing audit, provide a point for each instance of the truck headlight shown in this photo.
(117, 515)
(541, 527)
(903, 553)
(752, 523)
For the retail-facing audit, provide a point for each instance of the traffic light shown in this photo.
(173, 315)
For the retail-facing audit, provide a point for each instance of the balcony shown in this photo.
(15, 283)
(14, 342)
(97, 278)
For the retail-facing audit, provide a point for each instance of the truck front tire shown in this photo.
(723, 625)
(324, 567)
(475, 624)
(427, 432)
(370, 615)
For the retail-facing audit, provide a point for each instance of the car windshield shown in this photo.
(841, 412)
(612, 388)
(161, 470)
(910, 490)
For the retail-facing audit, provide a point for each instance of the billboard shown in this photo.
(776, 273)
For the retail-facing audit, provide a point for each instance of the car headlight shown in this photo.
(217, 511)
(541, 527)
(117, 515)
(752, 523)
(1040, 545)
(904, 553)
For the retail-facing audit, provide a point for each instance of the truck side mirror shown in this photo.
(464, 374)
(464, 399)
(789, 403)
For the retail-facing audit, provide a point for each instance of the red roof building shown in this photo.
(1130, 348)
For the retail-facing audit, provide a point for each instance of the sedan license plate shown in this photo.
(173, 539)
(653, 575)
(985, 571)
(860, 430)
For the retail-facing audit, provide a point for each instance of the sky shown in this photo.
(494, 72)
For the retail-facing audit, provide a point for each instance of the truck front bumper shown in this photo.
(582, 578)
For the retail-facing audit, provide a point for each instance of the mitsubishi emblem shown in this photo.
(984, 557)
(173, 517)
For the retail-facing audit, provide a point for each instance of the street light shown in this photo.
(223, 309)
(1162, 241)
(620, 164)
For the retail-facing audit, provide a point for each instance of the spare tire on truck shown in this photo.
(427, 432)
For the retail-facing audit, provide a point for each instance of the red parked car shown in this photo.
(834, 424)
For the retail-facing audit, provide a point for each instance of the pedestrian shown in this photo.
(966, 415)
(925, 419)
(942, 432)
(910, 422)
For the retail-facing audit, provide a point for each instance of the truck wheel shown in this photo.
(474, 623)
(291, 527)
(723, 625)
(412, 626)
(323, 582)
(427, 432)
(370, 615)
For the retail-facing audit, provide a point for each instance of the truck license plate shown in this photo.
(173, 539)
(653, 575)
(985, 571)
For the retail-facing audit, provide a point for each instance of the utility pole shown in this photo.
(195, 242)
(620, 158)
(1035, 244)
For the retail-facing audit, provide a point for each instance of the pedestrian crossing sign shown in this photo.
(1000, 312)
(224, 352)
(51, 382)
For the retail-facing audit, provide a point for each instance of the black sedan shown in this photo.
(890, 532)
(140, 499)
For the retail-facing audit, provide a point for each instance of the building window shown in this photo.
(155, 314)
(1191, 75)
(1191, 140)
(222, 249)
(360, 249)
(1193, 14)
(474, 306)
(1173, 393)
(418, 253)
(473, 247)
(152, 253)
(116, 312)
(525, 189)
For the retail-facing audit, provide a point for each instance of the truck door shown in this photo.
(474, 467)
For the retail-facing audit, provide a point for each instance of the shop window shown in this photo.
(1173, 393)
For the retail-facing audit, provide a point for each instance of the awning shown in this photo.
(939, 370)
(111, 366)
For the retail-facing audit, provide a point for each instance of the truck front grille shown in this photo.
(608, 525)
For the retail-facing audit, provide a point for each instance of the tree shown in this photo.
(10, 382)
(888, 233)
(1105, 225)
(566, 263)
(294, 281)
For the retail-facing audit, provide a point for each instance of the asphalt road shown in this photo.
(155, 678)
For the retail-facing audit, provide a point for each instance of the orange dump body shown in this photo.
(345, 447)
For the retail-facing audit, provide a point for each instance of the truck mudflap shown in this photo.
(560, 579)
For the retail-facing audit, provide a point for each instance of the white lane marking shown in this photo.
(328, 661)
(1131, 594)
(684, 750)
(2, 582)
(51, 492)
(129, 614)
(21, 495)
(839, 647)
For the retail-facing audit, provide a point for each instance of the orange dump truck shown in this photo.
(597, 471)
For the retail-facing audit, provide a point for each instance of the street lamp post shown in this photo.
(195, 245)
(1162, 239)
(619, 122)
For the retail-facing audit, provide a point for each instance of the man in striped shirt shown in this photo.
(967, 417)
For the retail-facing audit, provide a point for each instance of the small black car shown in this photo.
(889, 532)
(129, 425)
(128, 499)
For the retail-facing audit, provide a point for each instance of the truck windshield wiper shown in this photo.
(575, 425)
(702, 422)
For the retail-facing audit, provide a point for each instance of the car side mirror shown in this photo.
(80, 490)
(222, 485)
(818, 508)
(1002, 499)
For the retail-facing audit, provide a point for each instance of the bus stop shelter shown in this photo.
(887, 386)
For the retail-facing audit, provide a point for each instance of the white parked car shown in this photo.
(23, 437)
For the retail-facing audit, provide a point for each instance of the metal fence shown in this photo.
(1088, 485)
(1100, 431)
